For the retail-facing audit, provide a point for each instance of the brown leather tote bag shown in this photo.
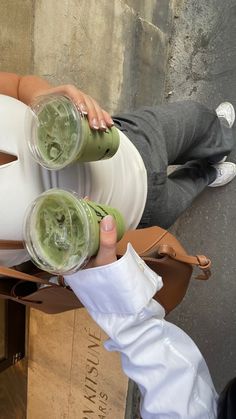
(165, 255)
(162, 252)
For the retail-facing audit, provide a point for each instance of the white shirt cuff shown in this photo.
(123, 287)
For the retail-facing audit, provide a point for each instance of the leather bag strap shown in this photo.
(13, 273)
(163, 250)
(6, 158)
(11, 244)
(199, 260)
(145, 242)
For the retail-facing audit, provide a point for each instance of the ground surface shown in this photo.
(203, 67)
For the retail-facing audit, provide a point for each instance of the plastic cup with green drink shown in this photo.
(61, 230)
(58, 135)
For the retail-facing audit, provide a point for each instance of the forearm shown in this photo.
(31, 87)
(28, 88)
(23, 88)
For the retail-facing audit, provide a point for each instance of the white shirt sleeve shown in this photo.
(170, 371)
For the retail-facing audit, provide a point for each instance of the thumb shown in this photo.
(108, 239)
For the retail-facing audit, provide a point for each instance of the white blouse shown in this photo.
(169, 369)
(20, 180)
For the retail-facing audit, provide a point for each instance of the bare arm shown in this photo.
(27, 88)
(24, 88)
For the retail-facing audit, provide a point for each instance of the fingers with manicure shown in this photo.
(97, 117)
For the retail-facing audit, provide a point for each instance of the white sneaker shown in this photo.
(225, 173)
(226, 110)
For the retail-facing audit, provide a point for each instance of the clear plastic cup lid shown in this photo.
(53, 131)
(57, 232)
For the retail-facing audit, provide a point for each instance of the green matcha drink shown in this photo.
(58, 135)
(61, 231)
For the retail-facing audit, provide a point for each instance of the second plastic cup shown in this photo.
(58, 135)
(61, 231)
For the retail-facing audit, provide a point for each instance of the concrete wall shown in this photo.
(16, 26)
(156, 12)
(110, 48)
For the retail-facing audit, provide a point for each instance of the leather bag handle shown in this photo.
(12, 273)
(199, 260)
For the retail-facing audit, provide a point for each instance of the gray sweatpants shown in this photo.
(182, 133)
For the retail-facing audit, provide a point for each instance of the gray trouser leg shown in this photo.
(185, 133)
(180, 190)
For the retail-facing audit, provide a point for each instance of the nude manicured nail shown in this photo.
(95, 123)
(103, 124)
(108, 223)
(83, 108)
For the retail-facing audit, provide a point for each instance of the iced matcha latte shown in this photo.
(58, 135)
(61, 231)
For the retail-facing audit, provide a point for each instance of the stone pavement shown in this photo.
(202, 68)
